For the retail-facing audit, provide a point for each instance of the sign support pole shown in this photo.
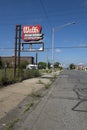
(19, 42)
(15, 53)
(17, 49)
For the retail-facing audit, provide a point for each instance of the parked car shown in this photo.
(32, 67)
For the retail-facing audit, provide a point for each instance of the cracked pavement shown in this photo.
(60, 109)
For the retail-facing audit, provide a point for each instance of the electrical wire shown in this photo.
(69, 12)
(45, 12)
(63, 47)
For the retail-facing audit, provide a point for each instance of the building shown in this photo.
(10, 60)
(80, 66)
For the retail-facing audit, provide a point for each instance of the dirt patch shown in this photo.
(18, 98)
(27, 105)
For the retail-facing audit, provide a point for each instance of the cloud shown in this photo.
(58, 50)
(81, 64)
(82, 45)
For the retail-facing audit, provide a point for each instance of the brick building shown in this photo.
(10, 60)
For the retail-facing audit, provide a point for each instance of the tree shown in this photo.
(49, 65)
(72, 66)
(56, 65)
(42, 65)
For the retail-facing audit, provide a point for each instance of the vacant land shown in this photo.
(12, 95)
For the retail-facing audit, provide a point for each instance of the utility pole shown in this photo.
(36, 58)
(19, 43)
(47, 58)
(17, 49)
(53, 31)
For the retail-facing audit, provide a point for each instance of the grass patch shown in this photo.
(11, 124)
(40, 82)
(28, 106)
(53, 78)
(36, 94)
(47, 86)
(7, 77)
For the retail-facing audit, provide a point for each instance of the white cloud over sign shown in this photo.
(58, 50)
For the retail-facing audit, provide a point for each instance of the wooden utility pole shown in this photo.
(17, 49)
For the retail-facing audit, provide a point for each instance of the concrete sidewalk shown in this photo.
(55, 111)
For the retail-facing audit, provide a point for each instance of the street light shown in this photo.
(53, 30)
(47, 58)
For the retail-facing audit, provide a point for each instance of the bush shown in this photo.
(72, 66)
(31, 74)
(8, 78)
(49, 71)
(42, 65)
(3, 80)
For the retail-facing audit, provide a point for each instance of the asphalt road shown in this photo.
(63, 108)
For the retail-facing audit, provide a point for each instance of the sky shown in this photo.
(69, 41)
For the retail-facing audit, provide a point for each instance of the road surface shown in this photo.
(63, 108)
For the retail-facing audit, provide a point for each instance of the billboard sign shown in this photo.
(31, 33)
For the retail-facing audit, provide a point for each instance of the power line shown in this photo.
(47, 15)
(45, 12)
(69, 47)
(62, 47)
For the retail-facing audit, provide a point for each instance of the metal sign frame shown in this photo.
(31, 49)
(17, 48)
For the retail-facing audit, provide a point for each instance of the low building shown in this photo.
(10, 60)
(79, 66)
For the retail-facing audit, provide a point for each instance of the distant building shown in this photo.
(79, 67)
(10, 60)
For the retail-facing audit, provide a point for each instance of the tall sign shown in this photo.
(32, 33)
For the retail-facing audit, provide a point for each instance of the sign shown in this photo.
(33, 46)
(32, 33)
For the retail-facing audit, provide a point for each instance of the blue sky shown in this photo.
(49, 14)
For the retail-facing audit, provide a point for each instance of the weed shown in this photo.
(40, 82)
(28, 106)
(8, 78)
(47, 86)
(11, 124)
(36, 94)
(53, 78)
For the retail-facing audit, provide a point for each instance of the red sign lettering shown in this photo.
(31, 33)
